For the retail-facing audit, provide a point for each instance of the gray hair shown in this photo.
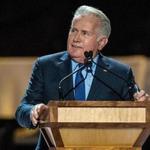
(105, 28)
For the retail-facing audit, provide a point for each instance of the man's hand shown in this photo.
(38, 112)
(141, 96)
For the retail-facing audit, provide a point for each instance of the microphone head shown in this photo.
(88, 54)
(88, 58)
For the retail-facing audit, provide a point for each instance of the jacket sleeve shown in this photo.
(34, 95)
(130, 86)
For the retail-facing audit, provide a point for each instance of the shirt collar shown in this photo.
(75, 65)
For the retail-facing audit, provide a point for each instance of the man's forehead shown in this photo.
(91, 19)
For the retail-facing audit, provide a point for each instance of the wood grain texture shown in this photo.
(96, 148)
(99, 124)
(99, 137)
(100, 148)
(104, 114)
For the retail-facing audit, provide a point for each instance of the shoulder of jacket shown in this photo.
(115, 62)
(51, 57)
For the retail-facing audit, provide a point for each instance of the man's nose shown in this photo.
(77, 37)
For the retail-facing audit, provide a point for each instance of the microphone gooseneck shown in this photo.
(60, 91)
(87, 63)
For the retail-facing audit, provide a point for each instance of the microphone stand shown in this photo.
(60, 91)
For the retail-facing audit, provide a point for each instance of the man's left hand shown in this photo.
(141, 96)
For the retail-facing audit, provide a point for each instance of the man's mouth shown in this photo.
(76, 46)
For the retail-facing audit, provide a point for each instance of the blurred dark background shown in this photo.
(40, 27)
(35, 27)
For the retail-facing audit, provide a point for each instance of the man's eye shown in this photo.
(85, 33)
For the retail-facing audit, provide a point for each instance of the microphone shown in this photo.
(60, 91)
(89, 55)
(88, 60)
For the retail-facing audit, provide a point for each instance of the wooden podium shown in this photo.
(96, 125)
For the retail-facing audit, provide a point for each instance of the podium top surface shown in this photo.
(73, 103)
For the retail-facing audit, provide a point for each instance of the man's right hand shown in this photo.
(38, 113)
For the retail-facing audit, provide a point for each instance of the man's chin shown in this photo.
(78, 59)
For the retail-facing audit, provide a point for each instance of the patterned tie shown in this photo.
(79, 86)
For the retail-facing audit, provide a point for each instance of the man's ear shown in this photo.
(102, 41)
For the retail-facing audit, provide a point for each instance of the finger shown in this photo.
(141, 99)
(38, 108)
(34, 115)
(35, 112)
(139, 95)
(39, 112)
(34, 121)
(44, 115)
(142, 96)
(43, 112)
(142, 93)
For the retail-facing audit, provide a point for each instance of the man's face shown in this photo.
(83, 36)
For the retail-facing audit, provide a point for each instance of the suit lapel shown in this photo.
(97, 90)
(67, 84)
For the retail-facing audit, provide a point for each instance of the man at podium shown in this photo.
(79, 73)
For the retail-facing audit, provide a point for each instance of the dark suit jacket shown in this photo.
(50, 69)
